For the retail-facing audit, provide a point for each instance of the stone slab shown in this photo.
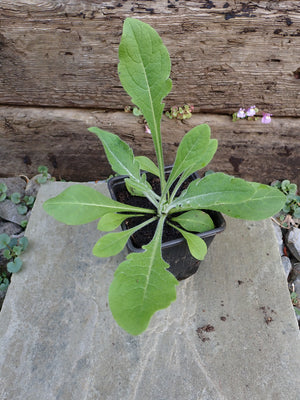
(231, 334)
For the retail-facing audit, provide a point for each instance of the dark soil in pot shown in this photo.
(174, 248)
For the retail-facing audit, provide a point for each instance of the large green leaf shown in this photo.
(195, 221)
(265, 202)
(141, 286)
(213, 190)
(144, 70)
(79, 204)
(191, 148)
(118, 153)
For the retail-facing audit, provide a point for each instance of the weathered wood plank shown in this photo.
(58, 138)
(224, 54)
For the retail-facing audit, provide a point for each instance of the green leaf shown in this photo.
(23, 242)
(7, 254)
(195, 221)
(136, 112)
(192, 147)
(118, 153)
(41, 179)
(147, 165)
(122, 161)
(15, 198)
(4, 240)
(2, 197)
(29, 200)
(4, 284)
(3, 187)
(22, 209)
(111, 221)
(141, 286)
(213, 190)
(296, 213)
(204, 159)
(297, 310)
(14, 266)
(196, 244)
(24, 223)
(265, 202)
(144, 70)
(79, 204)
(112, 243)
(17, 250)
(42, 169)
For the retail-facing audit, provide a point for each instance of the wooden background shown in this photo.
(58, 76)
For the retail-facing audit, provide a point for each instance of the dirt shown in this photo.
(144, 235)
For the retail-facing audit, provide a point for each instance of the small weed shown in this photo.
(12, 249)
(181, 113)
(291, 209)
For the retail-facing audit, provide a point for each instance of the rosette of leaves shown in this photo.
(142, 283)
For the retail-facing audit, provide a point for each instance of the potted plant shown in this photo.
(142, 283)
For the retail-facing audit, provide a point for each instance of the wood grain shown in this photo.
(225, 54)
(58, 138)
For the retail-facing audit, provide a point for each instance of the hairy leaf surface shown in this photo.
(111, 221)
(141, 286)
(195, 221)
(265, 202)
(144, 70)
(192, 147)
(213, 190)
(112, 243)
(147, 165)
(205, 158)
(79, 204)
(118, 153)
(196, 244)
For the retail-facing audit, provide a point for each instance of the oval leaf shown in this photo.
(195, 221)
(4, 240)
(196, 244)
(110, 222)
(111, 244)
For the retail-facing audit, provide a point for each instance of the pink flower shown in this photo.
(251, 111)
(266, 119)
(241, 113)
(147, 129)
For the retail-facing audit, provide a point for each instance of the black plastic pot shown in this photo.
(174, 252)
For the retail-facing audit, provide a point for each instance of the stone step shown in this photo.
(231, 334)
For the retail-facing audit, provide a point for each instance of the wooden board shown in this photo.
(225, 54)
(58, 138)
